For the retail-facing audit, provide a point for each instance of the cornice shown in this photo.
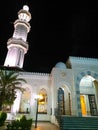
(83, 60)
(36, 75)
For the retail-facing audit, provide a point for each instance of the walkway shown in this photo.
(45, 126)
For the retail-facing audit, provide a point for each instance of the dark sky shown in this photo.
(59, 29)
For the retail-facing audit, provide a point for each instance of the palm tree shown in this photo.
(9, 82)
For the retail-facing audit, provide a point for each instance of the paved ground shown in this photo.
(45, 126)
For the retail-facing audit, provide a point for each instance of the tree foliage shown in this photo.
(9, 82)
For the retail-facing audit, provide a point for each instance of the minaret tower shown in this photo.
(17, 45)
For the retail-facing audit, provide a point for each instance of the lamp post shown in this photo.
(36, 113)
(37, 99)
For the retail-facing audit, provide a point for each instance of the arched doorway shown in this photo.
(61, 103)
(88, 96)
(64, 100)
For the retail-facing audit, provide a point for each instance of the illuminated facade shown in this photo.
(17, 45)
(70, 89)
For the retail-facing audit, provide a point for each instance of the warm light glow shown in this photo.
(39, 97)
(83, 105)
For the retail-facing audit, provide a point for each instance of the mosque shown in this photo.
(70, 89)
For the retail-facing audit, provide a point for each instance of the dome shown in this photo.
(60, 65)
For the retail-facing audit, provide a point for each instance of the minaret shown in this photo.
(17, 45)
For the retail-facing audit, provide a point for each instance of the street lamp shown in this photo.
(37, 99)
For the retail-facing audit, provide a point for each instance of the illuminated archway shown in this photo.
(42, 103)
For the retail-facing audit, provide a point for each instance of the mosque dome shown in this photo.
(61, 65)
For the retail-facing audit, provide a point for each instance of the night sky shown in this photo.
(59, 29)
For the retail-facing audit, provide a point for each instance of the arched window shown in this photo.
(42, 103)
(25, 101)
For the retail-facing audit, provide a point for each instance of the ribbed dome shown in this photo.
(60, 65)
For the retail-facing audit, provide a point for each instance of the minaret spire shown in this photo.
(17, 45)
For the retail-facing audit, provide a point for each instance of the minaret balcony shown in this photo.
(12, 42)
(19, 22)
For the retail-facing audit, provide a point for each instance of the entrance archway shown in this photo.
(87, 96)
(78, 79)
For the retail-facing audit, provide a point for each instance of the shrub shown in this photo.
(23, 118)
(22, 124)
(3, 116)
